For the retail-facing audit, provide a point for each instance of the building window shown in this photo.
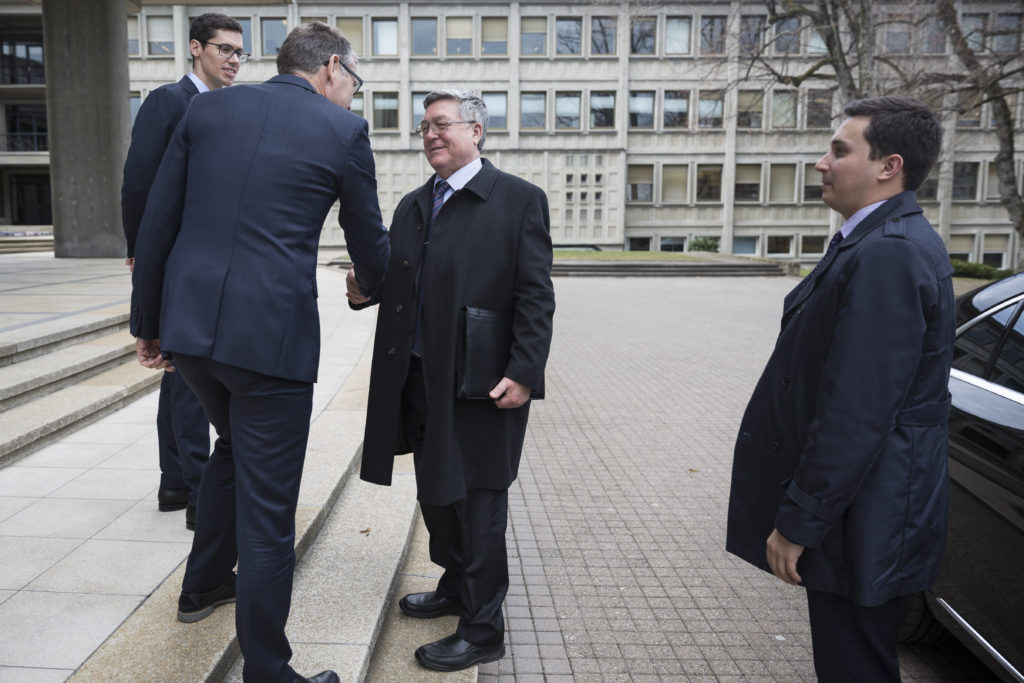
(961, 247)
(1006, 37)
(969, 109)
(816, 42)
(709, 109)
(133, 39)
(674, 183)
(532, 107)
(459, 36)
(748, 182)
(642, 35)
(677, 35)
(160, 36)
(965, 180)
(602, 35)
(994, 249)
(933, 37)
(22, 60)
(567, 110)
(744, 245)
(929, 189)
(497, 110)
(712, 35)
(273, 32)
(534, 36)
(641, 109)
(568, 35)
(309, 20)
(709, 183)
(424, 36)
(897, 34)
(26, 128)
(419, 111)
(357, 104)
(134, 102)
(780, 244)
(246, 24)
(819, 109)
(602, 110)
(750, 109)
(677, 109)
(495, 35)
(352, 27)
(992, 186)
(639, 244)
(751, 34)
(812, 244)
(812, 184)
(673, 244)
(784, 109)
(787, 36)
(782, 183)
(385, 110)
(385, 37)
(640, 183)
(973, 27)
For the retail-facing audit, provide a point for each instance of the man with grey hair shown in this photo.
(472, 244)
(225, 284)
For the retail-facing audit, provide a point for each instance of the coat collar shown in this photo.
(188, 86)
(903, 204)
(292, 79)
(481, 185)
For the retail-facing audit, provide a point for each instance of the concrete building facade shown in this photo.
(638, 119)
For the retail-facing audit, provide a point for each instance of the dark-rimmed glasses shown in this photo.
(225, 51)
(359, 81)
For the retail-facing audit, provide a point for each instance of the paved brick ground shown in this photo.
(617, 528)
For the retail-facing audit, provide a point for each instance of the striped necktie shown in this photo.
(440, 189)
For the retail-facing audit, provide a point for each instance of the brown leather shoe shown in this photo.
(428, 605)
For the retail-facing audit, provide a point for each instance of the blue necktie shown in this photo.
(440, 189)
(836, 239)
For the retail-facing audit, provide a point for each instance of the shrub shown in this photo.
(982, 271)
(704, 244)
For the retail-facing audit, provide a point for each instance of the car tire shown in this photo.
(918, 626)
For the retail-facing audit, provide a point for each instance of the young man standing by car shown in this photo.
(840, 478)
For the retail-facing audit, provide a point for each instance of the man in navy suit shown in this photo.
(183, 432)
(225, 284)
(840, 481)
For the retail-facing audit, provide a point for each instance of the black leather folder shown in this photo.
(485, 340)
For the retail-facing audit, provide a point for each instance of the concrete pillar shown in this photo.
(86, 53)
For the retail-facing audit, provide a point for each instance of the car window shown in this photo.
(1008, 368)
(974, 347)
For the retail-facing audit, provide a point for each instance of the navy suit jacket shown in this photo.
(225, 263)
(154, 124)
(843, 446)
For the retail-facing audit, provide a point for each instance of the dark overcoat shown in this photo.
(490, 247)
(843, 446)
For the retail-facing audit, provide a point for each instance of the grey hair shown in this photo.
(308, 46)
(471, 107)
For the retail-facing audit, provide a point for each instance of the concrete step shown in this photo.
(61, 332)
(18, 245)
(40, 375)
(717, 268)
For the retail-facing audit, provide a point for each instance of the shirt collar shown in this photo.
(200, 86)
(854, 220)
(458, 180)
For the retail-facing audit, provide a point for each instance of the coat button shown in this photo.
(776, 446)
(398, 308)
(418, 228)
(391, 350)
(785, 381)
(405, 264)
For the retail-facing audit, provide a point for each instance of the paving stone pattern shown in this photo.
(617, 563)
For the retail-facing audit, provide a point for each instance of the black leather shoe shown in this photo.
(190, 518)
(322, 677)
(428, 605)
(169, 500)
(193, 607)
(454, 653)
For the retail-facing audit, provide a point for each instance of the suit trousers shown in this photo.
(247, 502)
(183, 433)
(467, 537)
(853, 643)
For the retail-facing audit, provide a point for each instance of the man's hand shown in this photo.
(352, 287)
(782, 557)
(510, 393)
(148, 351)
(130, 262)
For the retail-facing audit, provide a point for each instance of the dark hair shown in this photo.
(204, 26)
(308, 46)
(904, 126)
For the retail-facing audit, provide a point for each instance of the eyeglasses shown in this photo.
(438, 127)
(225, 51)
(359, 81)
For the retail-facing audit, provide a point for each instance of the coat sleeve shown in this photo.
(359, 215)
(158, 231)
(878, 341)
(154, 125)
(533, 295)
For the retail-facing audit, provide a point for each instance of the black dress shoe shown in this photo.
(453, 653)
(322, 677)
(195, 606)
(190, 518)
(428, 605)
(169, 500)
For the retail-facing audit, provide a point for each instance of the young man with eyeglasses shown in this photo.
(183, 431)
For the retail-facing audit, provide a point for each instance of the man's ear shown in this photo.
(195, 47)
(891, 167)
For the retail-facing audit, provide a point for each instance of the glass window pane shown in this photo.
(965, 180)
(1008, 370)
(784, 109)
(897, 33)
(750, 109)
(748, 182)
(602, 35)
(712, 35)
(969, 108)
(744, 245)
(933, 37)
(1006, 37)
(709, 109)
(352, 27)
(273, 31)
(357, 104)
(568, 36)
(532, 109)
(677, 109)
(133, 35)
(639, 183)
(418, 110)
(751, 34)
(567, 110)
(160, 36)
(534, 35)
(495, 35)
(709, 182)
(385, 37)
(642, 35)
(782, 183)
(974, 348)
(309, 20)
(677, 35)
(992, 188)
(779, 244)
(973, 27)
(134, 102)
(673, 244)
(812, 244)
(246, 24)
(459, 36)
(819, 109)
(602, 110)
(812, 184)
(674, 179)
(930, 187)
(424, 36)
(787, 36)
(641, 109)
(497, 110)
(385, 110)
(815, 43)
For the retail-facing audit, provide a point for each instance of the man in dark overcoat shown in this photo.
(472, 236)
(840, 480)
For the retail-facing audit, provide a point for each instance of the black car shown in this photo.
(979, 595)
